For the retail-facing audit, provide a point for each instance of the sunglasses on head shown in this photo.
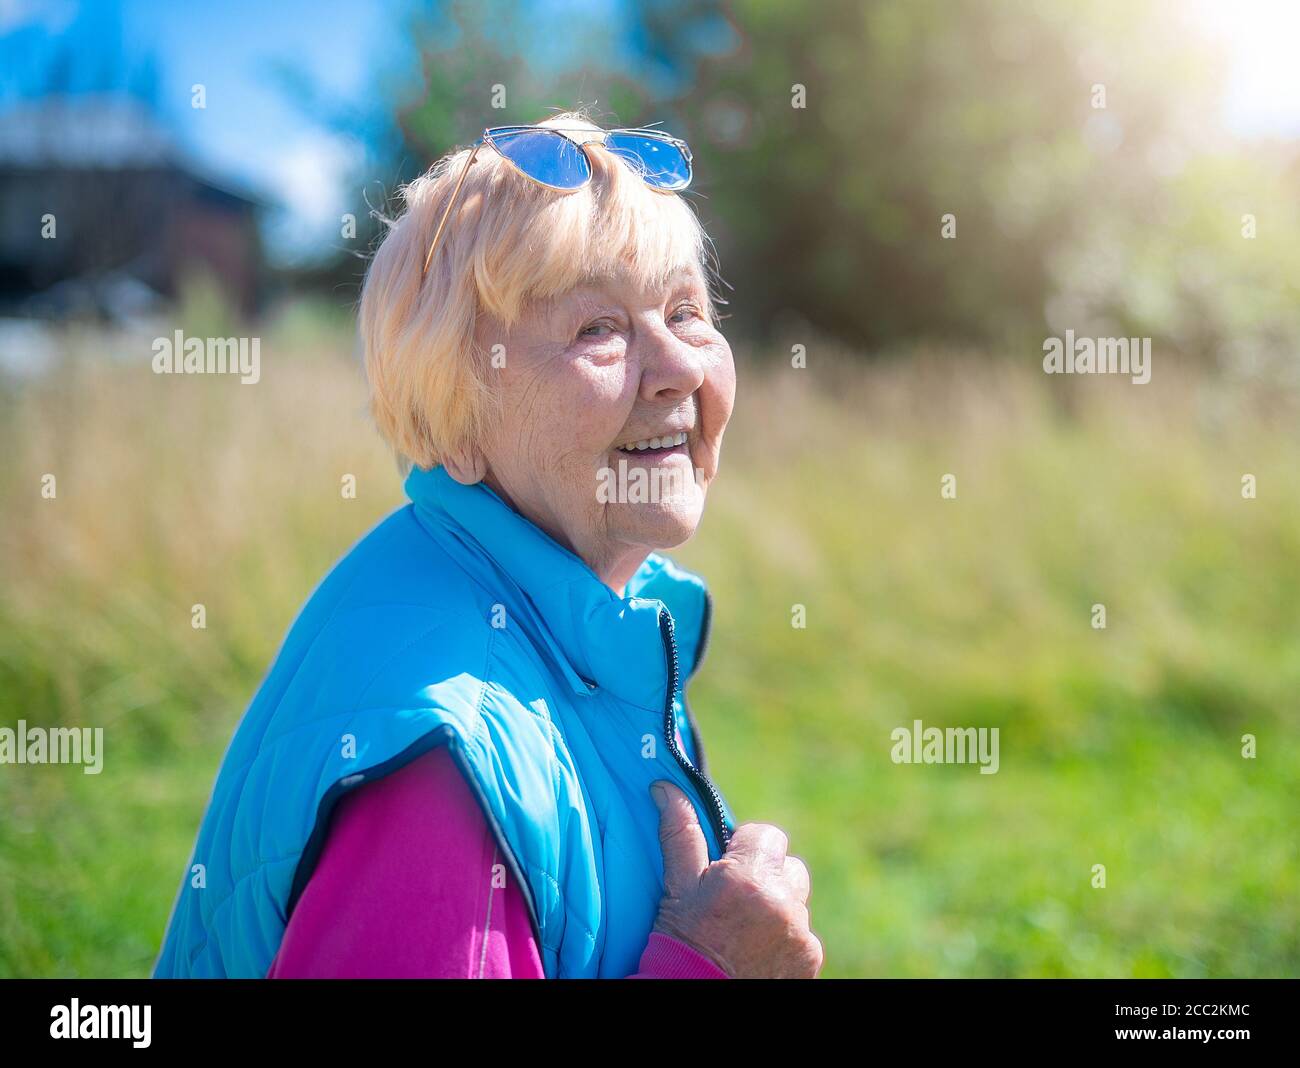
(556, 157)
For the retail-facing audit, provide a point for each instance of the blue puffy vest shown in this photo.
(457, 622)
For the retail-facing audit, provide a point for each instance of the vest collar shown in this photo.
(611, 641)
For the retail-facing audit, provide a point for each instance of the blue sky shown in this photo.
(251, 134)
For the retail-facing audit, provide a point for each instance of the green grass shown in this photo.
(1119, 747)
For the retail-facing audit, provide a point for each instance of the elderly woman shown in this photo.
(472, 756)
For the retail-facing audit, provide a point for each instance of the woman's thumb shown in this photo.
(686, 853)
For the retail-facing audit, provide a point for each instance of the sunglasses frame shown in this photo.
(585, 136)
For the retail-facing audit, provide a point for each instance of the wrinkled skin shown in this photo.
(748, 911)
(599, 367)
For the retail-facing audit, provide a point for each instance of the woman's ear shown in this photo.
(466, 465)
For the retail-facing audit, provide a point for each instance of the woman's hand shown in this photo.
(748, 912)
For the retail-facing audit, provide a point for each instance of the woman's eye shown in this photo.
(684, 312)
(595, 330)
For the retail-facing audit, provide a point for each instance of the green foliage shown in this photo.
(1123, 220)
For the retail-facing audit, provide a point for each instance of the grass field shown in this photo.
(1119, 747)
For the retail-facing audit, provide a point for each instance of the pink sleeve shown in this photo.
(667, 958)
(405, 888)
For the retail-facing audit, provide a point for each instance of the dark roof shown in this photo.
(101, 132)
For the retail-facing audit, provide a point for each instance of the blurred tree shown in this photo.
(1034, 125)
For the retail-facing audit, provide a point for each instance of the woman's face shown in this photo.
(584, 379)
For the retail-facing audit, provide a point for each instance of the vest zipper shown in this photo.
(706, 629)
(708, 792)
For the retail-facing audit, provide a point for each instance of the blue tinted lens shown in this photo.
(545, 156)
(660, 163)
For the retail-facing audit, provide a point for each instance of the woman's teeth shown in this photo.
(668, 441)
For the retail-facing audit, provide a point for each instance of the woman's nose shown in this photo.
(671, 370)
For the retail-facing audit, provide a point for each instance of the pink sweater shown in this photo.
(411, 884)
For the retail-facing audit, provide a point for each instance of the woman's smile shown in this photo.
(658, 449)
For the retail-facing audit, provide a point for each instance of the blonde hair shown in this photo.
(508, 242)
